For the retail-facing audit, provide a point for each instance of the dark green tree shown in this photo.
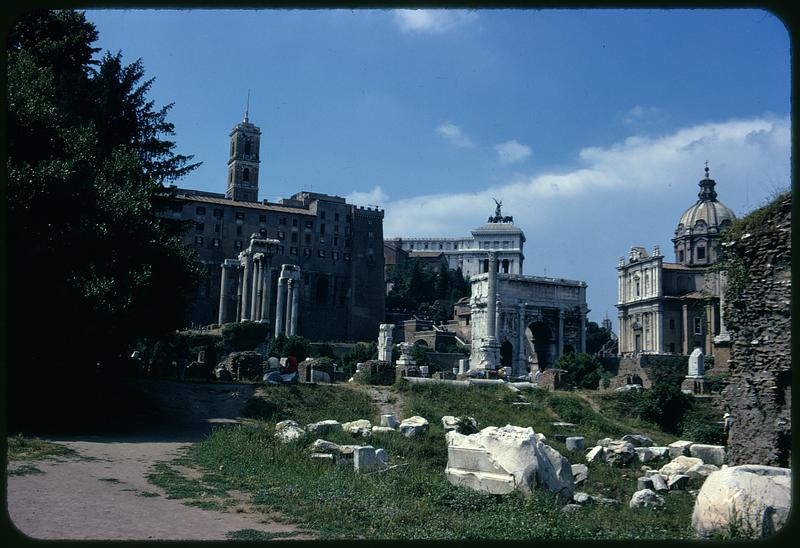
(596, 337)
(583, 370)
(94, 269)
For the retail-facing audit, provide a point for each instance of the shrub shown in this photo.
(297, 346)
(663, 405)
(360, 353)
(325, 350)
(583, 370)
(241, 336)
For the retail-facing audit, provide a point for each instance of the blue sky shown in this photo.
(592, 126)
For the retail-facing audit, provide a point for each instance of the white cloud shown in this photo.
(741, 153)
(454, 135)
(376, 196)
(639, 114)
(512, 152)
(436, 21)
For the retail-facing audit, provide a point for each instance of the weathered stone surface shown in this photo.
(563, 425)
(709, 454)
(383, 455)
(701, 471)
(759, 317)
(678, 482)
(324, 457)
(449, 422)
(619, 453)
(323, 427)
(413, 426)
(360, 427)
(324, 446)
(644, 483)
(579, 497)
(754, 499)
(645, 498)
(288, 431)
(659, 483)
(679, 465)
(678, 448)
(580, 472)
(638, 440)
(389, 421)
(606, 501)
(382, 429)
(320, 376)
(647, 454)
(575, 443)
(501, 460)
(595, 453)
(570, 508)
(365, 459)
(604, 442)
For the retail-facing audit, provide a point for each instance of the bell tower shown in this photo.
(243, 161)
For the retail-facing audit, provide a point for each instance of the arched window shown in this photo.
(246, 175)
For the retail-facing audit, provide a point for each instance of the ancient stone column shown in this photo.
(560, 340)
(224, 289)
(255, 305)
(491, 297)
(223, 295)
(239, 295)
(385, 342)
(685, 329)
(291, 307)
(621, 337)
(246, 285)
(520, 362)
(280, 305)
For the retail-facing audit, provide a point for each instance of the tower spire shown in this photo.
(247, 109)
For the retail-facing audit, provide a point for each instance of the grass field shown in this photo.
(414, 500)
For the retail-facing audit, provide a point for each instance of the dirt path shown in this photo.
(107, 496)
(388, 402)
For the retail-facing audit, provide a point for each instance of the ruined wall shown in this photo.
(758, 315)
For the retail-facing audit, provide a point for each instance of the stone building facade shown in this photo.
(532, 320)
(336, 246)
(759, 395)
(498, 234)
(672, 308)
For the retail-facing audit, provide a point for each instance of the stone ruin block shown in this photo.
(553, 379)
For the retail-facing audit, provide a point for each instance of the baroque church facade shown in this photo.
(674, 307)
(333, 249)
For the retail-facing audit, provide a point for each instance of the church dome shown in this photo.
(707, 215)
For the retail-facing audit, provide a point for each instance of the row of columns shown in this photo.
(287, 301)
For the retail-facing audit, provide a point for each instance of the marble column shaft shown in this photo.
(491, 297)
(291, 311)
(255, 297)
(246, 286)
(239, 296)
(280, 306)
(223, 296)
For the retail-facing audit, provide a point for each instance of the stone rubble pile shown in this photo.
(499, 460)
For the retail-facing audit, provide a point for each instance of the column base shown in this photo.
(487, 356)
